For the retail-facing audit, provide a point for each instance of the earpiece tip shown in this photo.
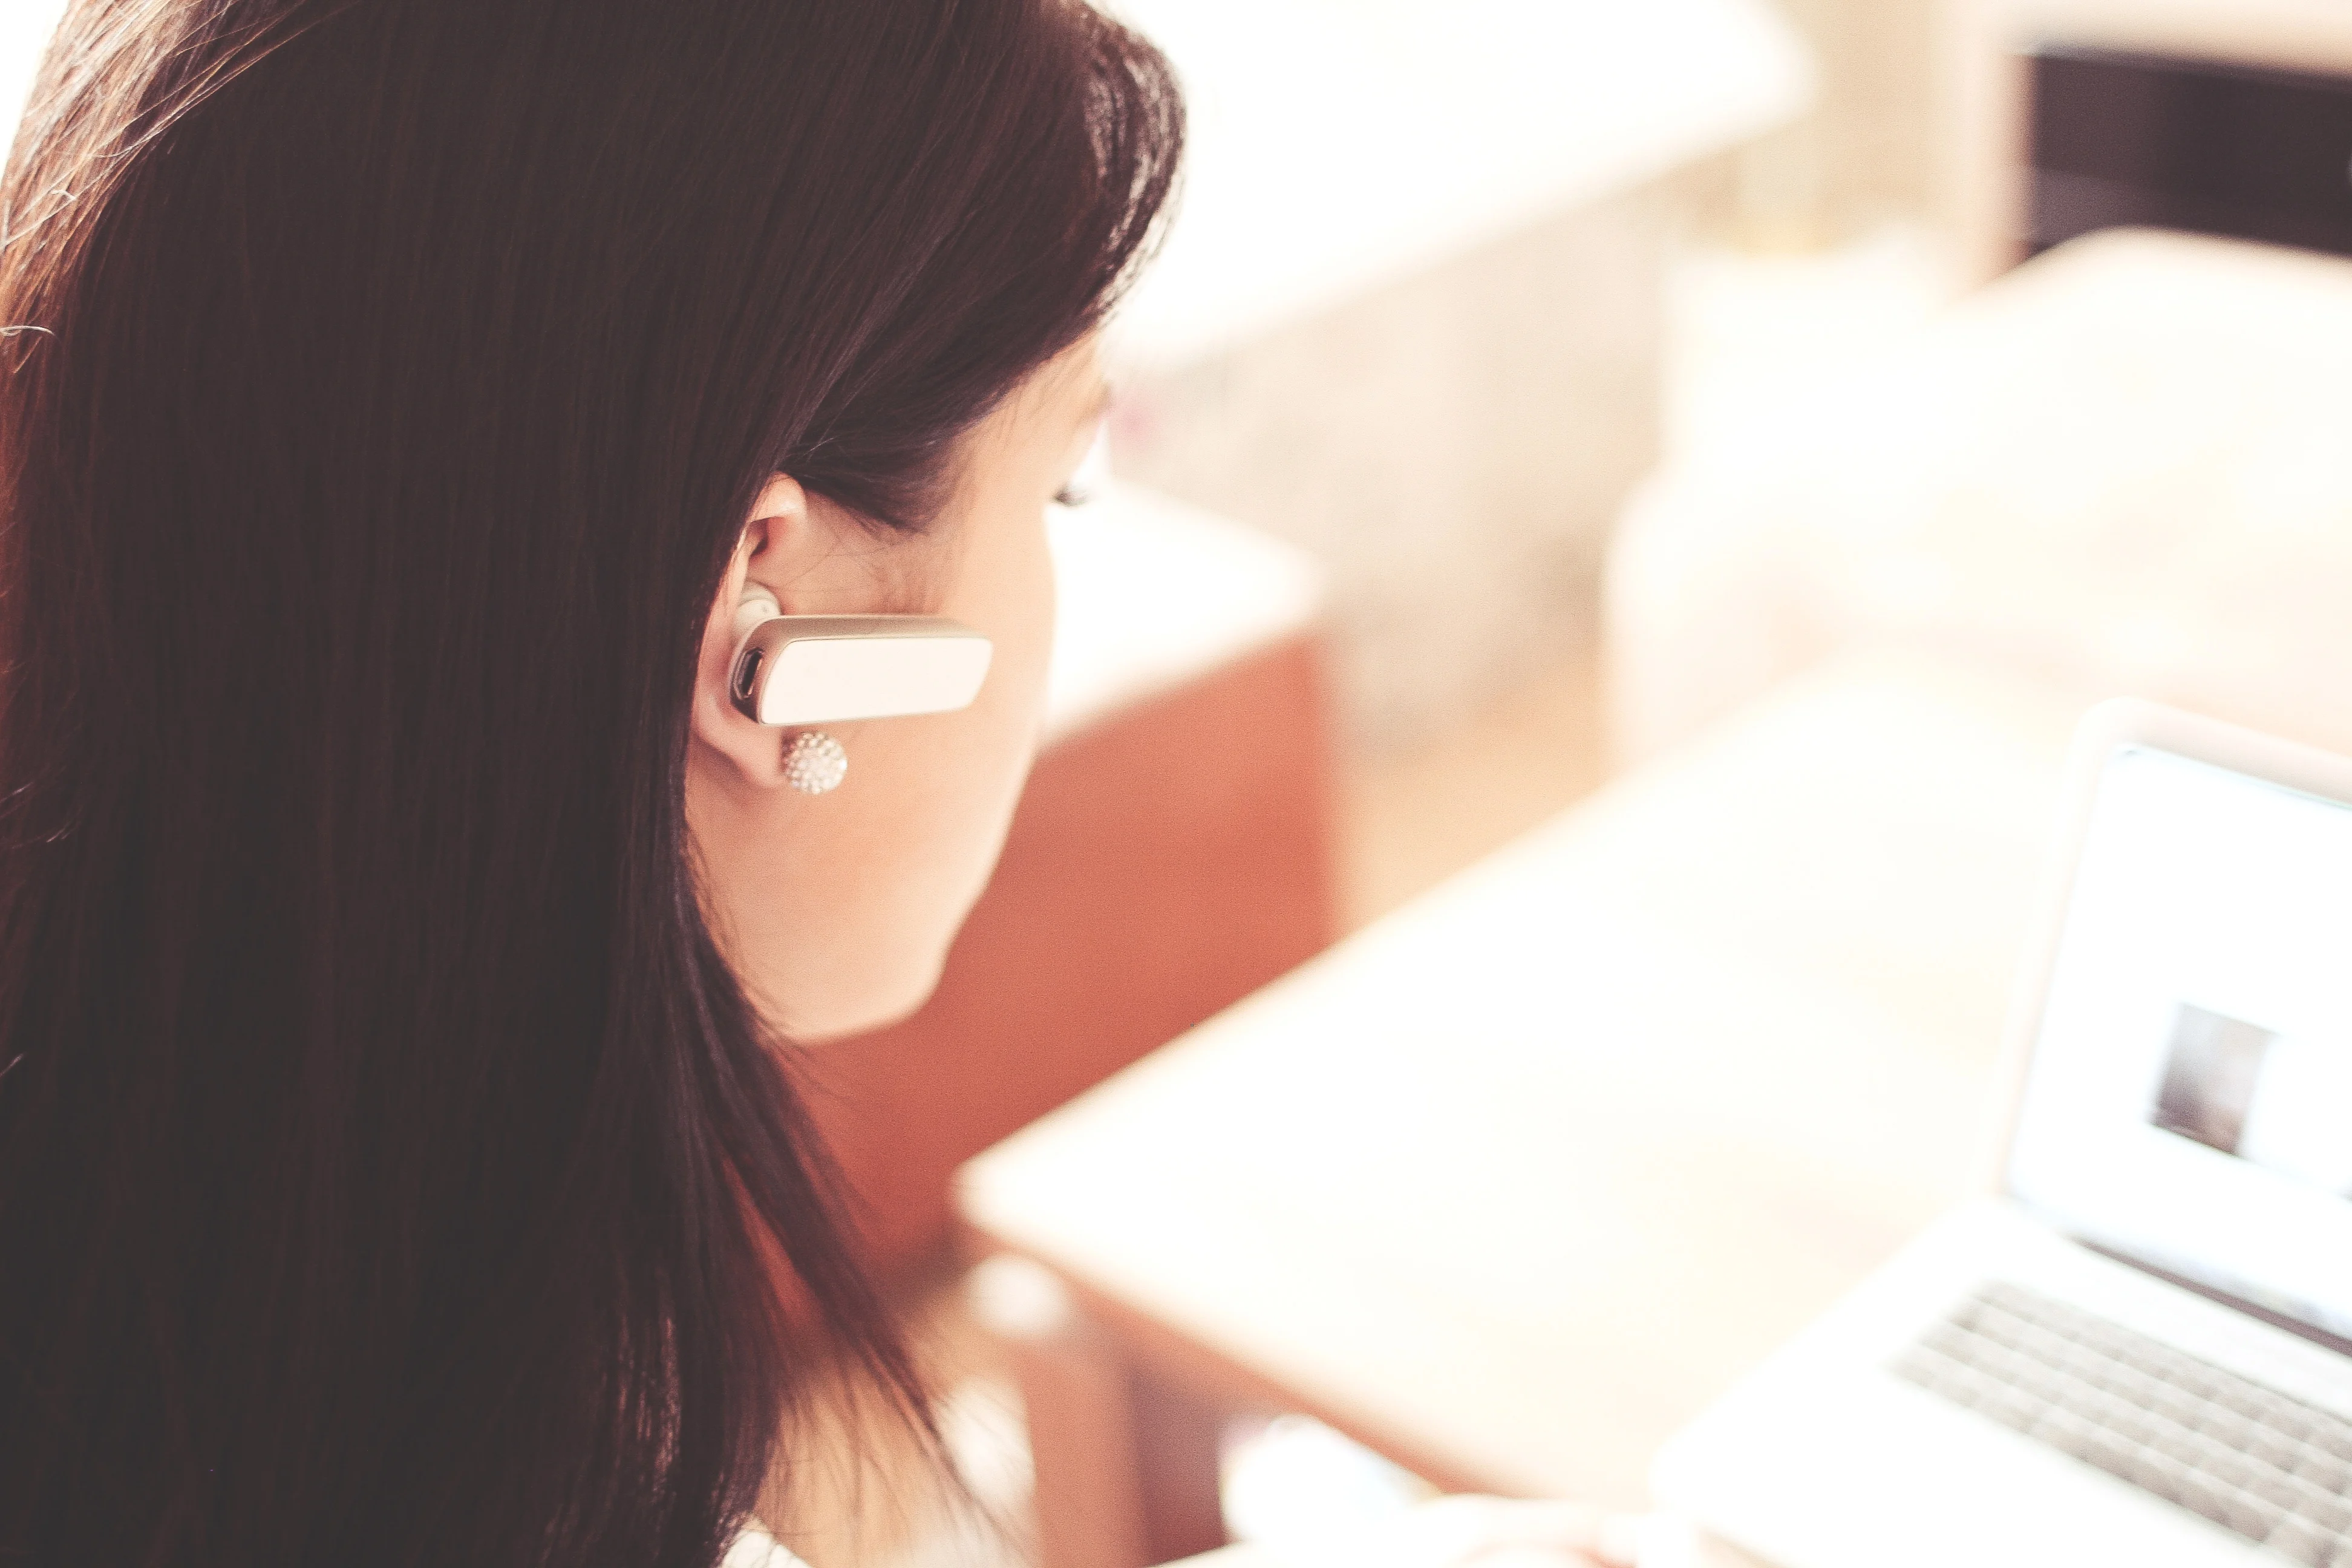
(757, 606)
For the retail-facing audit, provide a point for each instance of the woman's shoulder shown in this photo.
(755, 1548)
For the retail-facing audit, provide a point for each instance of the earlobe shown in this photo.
(748, 752)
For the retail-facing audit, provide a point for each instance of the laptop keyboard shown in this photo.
(2271, 1467)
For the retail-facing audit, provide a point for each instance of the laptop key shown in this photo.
(2013, 1410)
(2286, 1418)
(2259, 1408)
(2248, 1515)
(2182, 1448)
(2150, 1473)
(2273, 1450)
(2329, 1513)
(1949, 1339)
(2014, 1300)
(2066, 1432)
(2198, 1495)
(2298, 1541)
(2109, 1453)
(2320, 1471)
(2231, 1471)
(2277, 1491)
(2226, 1427)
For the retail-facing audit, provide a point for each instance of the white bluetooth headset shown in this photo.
(795, 670)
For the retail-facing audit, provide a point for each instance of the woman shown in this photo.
(402, 928)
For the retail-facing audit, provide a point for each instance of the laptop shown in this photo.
(2138, 1348)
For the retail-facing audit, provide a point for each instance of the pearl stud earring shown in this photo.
(815, 761)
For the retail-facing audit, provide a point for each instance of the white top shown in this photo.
(755, 1548)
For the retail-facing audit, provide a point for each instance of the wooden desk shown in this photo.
(1511, 1183)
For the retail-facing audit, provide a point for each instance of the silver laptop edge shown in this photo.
(1830, 1457)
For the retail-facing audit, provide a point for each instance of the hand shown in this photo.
(1471, 1531)
(1499, 1533)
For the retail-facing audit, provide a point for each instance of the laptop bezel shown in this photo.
(2113, 725)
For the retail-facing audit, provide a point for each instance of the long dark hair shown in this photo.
(391, 1169)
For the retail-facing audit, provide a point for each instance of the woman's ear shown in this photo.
(779, 544)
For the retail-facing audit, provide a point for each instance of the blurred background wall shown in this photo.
(1411, 313)
(1866, 153)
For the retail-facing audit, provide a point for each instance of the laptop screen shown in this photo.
(2190, 1101)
